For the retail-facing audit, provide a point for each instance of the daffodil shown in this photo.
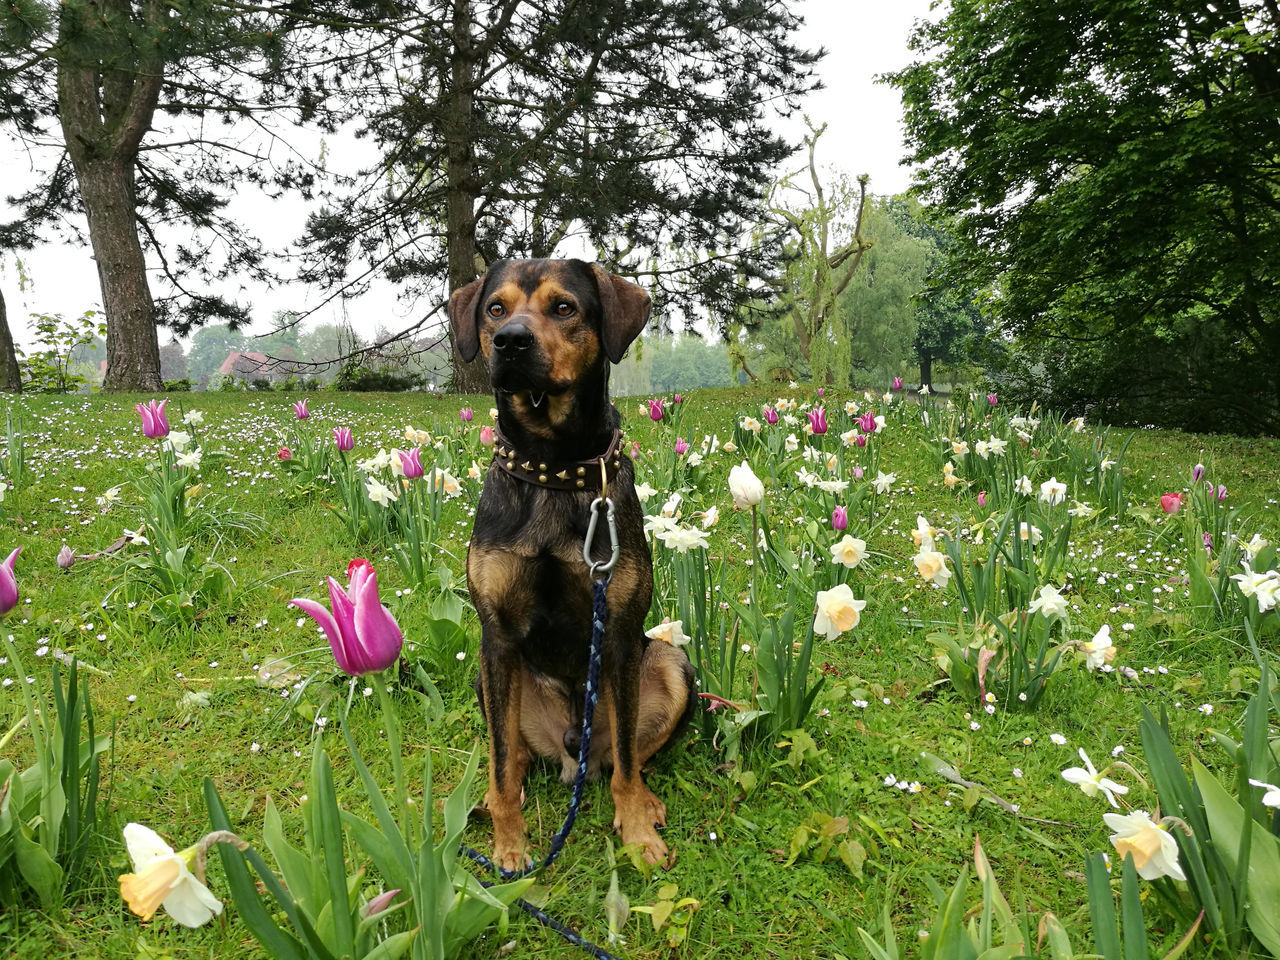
(837, 611)
(163, 878)
(1154, 851)
(883, 481)
(379, 492)
(1049, 602)
(849, 551)
(1099, 650)
(1272, 797)
(932, 566)
(1091, 783)
(669, 631)
(1053, 491)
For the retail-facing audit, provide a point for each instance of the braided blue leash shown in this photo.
(598, 616)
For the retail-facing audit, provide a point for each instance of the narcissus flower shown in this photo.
(379, 492)
(1053, 491)
(1099, 650)
(1154, 852)
(1272, 797)
(883, 481)
(745, 487)
(932, 566)
(163, 878)
(362, 632)
(1091, 783)
(837, 611)
(849, 551)
(669, 631)
(1049, 602)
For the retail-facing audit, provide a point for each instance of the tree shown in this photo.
(1112, 171)
(632, 128)
(85, 81)
(10, 372)
(173, 362)
(210, 347)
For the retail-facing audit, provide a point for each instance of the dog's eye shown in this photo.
(496, 310)
(564, 308)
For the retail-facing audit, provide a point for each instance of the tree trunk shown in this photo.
(460, 202)
(10, 372)
(926, 370)
(105, 110)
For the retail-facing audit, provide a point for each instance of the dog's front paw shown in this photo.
(510, 857)
(636, 820)
(654, 849)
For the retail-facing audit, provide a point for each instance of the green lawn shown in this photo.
(178, 688)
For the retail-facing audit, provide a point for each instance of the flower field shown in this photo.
(917, 623)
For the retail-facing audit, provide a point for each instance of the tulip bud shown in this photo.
(821, 391)
(486, 436)
(1222, 492)
(284, 453)
(1197, 473)
(411, 462)
(1171, 503)
(66, 558)
(678, 398)
(745, 487)
(982, 498)
(467, 414)
(656, 409)
(840, 519)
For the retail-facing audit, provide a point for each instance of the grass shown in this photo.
(882, 704)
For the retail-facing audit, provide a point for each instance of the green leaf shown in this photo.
(294, 865)
(38, 869)
(1102, 909)
(1226, 826)
(1131, 920)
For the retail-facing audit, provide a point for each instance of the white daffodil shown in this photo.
(1053, 491)
(1255, 546)
(1099, 650)
(750, 423)
(193, 418)
(883, 481)
(379, 492)
(836, 611)
(644, 491)
(1079, 509)
(177, 440)
(683, 539)
(672, 505)
(997, 446)
(1154, 852)
(922, 536)
(851, 408)
(960, 448)
(1023, 485)
(849, 551)
(792, 443)
(1076, 425)
(669, 631)
(190, 458)
(1106, 465)
(1049, 602)
(1029, 533)
(710, 517)
(983, 449)
(932, 566)
(1091, 782)
(658, 524)
(1272, 797)
(694, 459)
(162, 877)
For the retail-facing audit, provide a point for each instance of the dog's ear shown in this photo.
(462, 317)
(625, 309)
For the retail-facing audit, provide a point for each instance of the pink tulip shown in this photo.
(66, 558)
(1197, 473)
(300, 410)
(681, 447)
(821, 391)
(818, 420)
(982, 498)
(1222, 492)
(867, 423)
(1208, 540)
(1171, 503)
(379, 903)
(284, 453)
(840, 519)
(656, 409)
(342, 438)
(486, 435)
(857, 473)
(860, 439)
(9, 583)
(154, 423)
(897, 383)
(770, 415)
(678, 398)
(993, 398)
(362, 632)
(411, 462)
(634, 450)
(467, 414)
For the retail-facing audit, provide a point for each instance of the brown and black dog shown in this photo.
(548, 330)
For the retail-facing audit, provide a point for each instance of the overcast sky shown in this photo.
(863, 38)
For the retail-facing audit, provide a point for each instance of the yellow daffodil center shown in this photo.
(1142, 846)
(145, 891)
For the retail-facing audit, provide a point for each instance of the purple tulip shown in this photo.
(379, 903)
(9, 583)
(993, 398)
(821, 391)
(411, 462)
(362, 632)
(860, 439)
(1208, 540)
(66, 558)
(857, 473)
(154, 423)
(867, 423)
(678, 398)
(342, 438)
(1197, 473)
(656, 409)
(300, 410)
(840, 519)
(1222, 492)
(818, 420)
(897, 383)
(770, 415)
(982, 498)
(681, 447)
(467, 414)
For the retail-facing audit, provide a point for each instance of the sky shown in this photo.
(863, 38)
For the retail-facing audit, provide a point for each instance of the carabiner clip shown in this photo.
(598, 567)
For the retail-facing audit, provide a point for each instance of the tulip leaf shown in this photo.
(327, 824)
(1262, 884)
(294, 865)
(393, 947)
(39, 869)
(1102, 908)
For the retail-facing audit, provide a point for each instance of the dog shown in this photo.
(548, 331)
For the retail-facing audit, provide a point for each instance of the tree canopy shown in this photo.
(1114, 170)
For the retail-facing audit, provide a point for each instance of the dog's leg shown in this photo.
(667, 697)
(636, 809)
(500, 689)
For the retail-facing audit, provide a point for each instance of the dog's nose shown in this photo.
(513, 338)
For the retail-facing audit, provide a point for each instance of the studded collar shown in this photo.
(573, 475)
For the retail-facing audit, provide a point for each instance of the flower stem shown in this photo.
(391, 721)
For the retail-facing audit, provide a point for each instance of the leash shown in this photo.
(601, 573)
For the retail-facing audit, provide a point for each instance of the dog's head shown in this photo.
(543, 326)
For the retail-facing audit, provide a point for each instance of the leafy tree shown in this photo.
(210, 347)
(49, 367)
(173, 362)
(1112, 170)
(636, 128)
(85, 82)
